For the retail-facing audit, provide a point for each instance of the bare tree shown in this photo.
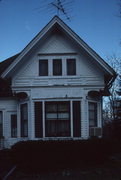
(115, 63)
(109, 113)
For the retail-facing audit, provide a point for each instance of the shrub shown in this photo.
(48, 155)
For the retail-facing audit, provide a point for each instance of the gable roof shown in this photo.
(11, 63)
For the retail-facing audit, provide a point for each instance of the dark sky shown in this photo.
(95, 21)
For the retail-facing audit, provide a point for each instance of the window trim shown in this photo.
(70, 100)
(95, 114)
(58, 119)
(63, 57)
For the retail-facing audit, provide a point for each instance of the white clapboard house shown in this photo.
(53, 88)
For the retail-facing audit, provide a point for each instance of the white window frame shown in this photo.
(99, 117)
(43, 115)
(63, 57)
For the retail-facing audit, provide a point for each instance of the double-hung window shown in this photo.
(43, 67)
(24, 120)
(57, 119)
(1, 124)
(14, 125)
(92, 114)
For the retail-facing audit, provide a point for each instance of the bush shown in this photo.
(48, 155)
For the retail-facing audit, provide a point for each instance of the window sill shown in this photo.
(58, 77)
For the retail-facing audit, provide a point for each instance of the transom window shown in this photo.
(57, 67)
(57, 119)
(92, 114)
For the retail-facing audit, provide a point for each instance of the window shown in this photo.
(57, 67)
(57, 119)
(92, 114)
(13, 125)
(71, 67)
(43, 67)
(1, 124)
(38, 119)
(24, 120)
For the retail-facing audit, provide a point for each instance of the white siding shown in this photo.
(57, 44)
(88, 77)
(56, 92)
(88, 73)
(8, 107)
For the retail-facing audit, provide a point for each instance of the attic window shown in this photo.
(71, 67)
(43, 67)
(57, 67)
